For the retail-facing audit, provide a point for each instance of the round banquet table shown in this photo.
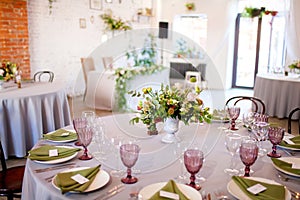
(280, 93)
(157, 161)
(30, 111)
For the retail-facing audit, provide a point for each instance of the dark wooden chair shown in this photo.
(290, 120)
(259, 105)
(40, 76)
(10, 179)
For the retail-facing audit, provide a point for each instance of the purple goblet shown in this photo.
(129, 155)
(248, 154)
(275, 136)
(193, 160)
(79, 123)
(85, 135)
(234, 113)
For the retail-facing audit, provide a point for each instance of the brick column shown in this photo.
(14, 39)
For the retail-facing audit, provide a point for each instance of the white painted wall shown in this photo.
(57, 42)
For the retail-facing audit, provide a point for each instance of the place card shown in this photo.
(65, 134)
(79, 179)
(169, 195)
(257, 188)
(288, 141)
(53, 152)
(296, 165)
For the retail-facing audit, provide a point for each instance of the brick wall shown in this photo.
(14, 42)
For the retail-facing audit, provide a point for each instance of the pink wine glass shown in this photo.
(193, 161)
(248, 154)
(79, 123)
(234, 113)
(129, 155)
(275, 136)
(85, 136)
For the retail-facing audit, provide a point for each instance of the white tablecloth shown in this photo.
(30, 111)
(280, 93)
(101, 87)
(157, 161)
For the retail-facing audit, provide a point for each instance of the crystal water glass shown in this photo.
(260, 131)
(275, 136)
(85, 136)
(248, 154)
(232, 143)
(78, 124)
(129, 155)
(193, 161)
(234, 113)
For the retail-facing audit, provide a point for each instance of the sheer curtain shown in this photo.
(292, 32)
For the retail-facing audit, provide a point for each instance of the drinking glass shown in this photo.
(248, 119)
(90, 116)
(79, 123)
(129, 155)
(85, 136)
(193, 160)
(261, 118)
(234, 113)
(116, 143)
(100, 141)
(232, 143)
(260, 131)
(181, 147)
(248, 154)
(275, 136)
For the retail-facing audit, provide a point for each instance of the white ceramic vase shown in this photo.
(170, 127)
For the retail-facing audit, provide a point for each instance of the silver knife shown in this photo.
(53, 168)
(113, 191)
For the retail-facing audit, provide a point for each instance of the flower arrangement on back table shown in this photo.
(295, 65)
(170, 102)
(7, 70)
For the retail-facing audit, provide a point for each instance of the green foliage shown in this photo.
(115, 23)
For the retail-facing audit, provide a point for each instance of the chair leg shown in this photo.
(10, 196)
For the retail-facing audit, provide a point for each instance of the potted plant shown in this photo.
(190, 6)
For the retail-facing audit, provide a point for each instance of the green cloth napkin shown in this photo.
(285, 166)
(42, 153)
(169, 187)
(273, 192)
(296, 140)
(66, 184)
(57, 135)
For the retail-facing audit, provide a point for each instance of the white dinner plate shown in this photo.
(288, 160)
(101, 179)
(60, 160)
(289, 136)
(235, 190)
(150, 190)
(61, 141)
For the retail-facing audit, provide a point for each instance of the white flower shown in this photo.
(122, 72)
(1, 72)
(191, 96)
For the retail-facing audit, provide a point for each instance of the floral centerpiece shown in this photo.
(295, 65)
(170, 102)
(7, 70)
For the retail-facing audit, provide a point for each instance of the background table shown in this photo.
(151, 162)
(30, 111)
(280, 93)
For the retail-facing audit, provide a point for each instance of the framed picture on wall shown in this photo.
(82, 23)
(96, 4)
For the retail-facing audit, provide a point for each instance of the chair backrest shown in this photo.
(259, 105)
(108, 62)
(290, 120)
(87, 66)
(43, 76)
(2, 158)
